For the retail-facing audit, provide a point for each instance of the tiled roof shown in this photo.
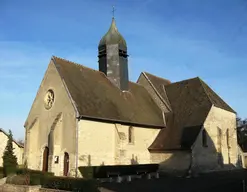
(190, 101)
(95, 96)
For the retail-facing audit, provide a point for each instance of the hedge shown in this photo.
(70, 184)
(1, 172)
(20, 171)
(28, 177)
(105, 171)
(48, 180)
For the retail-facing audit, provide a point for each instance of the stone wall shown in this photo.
(45, 129)
(25, 188)
(95, 143)
(133, 150)
(18, 188)
(108, 144)
(221, 151)
(176, 161)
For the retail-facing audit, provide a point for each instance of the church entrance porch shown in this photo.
(66, 164)
(45, 159)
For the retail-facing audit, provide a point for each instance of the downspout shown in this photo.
(76, 131)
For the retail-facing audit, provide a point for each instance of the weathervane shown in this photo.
(113, 11)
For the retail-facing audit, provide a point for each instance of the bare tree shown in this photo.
(20, 141)
(242, 133)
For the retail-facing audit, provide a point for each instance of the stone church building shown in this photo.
(82, 117)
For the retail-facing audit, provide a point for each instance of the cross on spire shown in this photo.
(113, 11)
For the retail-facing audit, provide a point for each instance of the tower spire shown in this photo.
(113, 57)
(113, 11)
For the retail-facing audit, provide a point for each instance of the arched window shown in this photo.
(131, 135)
(219, 143)
(228, 144)
(204, 138)
(219, 138)
(227, 138)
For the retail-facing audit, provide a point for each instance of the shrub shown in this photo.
(1, 173)
(90, 172)
(24, 180)
(9, 159)
(21, 171)
(70, 184)
(28, 177)
(35, 177)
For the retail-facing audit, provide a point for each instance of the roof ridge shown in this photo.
(204, 89)
(156, 76)
(214, 92)
(157, 92)
(183, 81)
(77, 64)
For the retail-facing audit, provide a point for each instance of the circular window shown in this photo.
(49, 99)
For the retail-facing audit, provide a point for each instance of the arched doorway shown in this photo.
(45, 159)
(66, 164)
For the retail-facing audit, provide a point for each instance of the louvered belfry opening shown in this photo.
(113, 57)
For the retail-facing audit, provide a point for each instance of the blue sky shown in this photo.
(175, 39)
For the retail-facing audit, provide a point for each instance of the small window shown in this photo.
(204, 138)
(131, 135)
(219, 138)
(227, 138)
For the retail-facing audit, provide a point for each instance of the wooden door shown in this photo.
(45, 159)
(66, 164)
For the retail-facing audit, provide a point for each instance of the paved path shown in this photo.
(2, 181)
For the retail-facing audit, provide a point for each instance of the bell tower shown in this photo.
(113, 58)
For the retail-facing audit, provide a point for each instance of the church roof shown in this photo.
(96, 97)
(113, 36)
(190, 101)
(159, 85)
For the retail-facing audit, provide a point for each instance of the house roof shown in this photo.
(190, 101)
(96, 97)
(1, 130)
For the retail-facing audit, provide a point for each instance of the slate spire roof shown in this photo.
(113, 36)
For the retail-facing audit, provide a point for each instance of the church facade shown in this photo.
(84, 117)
